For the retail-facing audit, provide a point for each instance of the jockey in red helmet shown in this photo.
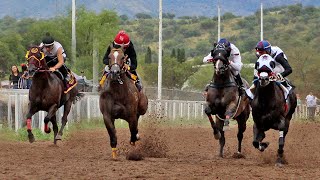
(122, 39)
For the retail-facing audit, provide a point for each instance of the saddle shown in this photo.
(68, 85)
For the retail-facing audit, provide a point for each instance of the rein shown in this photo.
(238, 104)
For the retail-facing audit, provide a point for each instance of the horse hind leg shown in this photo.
(64, 120)
(55, 128)
(133, 126)
(241, 129)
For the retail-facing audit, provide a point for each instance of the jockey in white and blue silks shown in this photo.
(234, 58)
(282, 68)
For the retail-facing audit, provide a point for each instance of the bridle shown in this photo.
(116, 63)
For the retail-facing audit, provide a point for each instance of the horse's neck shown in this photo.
(223, 78)
(117, 88)
(267, 91)
(42, 79)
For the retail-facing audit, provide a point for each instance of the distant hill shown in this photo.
(51, 8)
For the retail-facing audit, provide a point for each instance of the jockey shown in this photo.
(282, 67)
(122, 39)
(55, 57)
(234, 58)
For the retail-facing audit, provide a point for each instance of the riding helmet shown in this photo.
(263, 46)
(122, 38)
(48, 40)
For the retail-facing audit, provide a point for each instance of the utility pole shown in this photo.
(73, 41)
(219, 20)
(261, 33)
(160, 52)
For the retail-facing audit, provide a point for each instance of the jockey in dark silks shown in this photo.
(282, 67)
(55, 57)
(123, 40)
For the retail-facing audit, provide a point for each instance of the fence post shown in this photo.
(16, 111)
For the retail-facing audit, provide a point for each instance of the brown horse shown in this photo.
(223, 100)
(120, 98)
(47, 94)
(270, 108)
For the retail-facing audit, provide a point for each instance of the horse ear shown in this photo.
(215, 45)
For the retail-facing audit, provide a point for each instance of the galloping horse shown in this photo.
(120, 98)
(270, 108)
(47, 94)
(224, 101)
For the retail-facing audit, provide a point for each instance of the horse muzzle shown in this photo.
(264, 79)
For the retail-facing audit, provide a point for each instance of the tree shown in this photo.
(148, 56)
(173, 53)
(143, 16)
(181, 57)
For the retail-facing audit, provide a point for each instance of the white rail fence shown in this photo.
(14, 106)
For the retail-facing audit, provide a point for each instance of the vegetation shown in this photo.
(186, 40)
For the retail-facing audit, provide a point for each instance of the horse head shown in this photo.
(265, 66)
(35, 60)
(220, 59)
(117, 60)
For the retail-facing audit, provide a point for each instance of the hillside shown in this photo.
(45, 9)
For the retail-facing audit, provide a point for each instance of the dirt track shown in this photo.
(191, 153)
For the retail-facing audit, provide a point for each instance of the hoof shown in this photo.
(263, 146)
(279, 165)
(31, 138)
(133, 143)
(138, 137)
(238, 155)
(114, 153)
(58, 137)
(255, 144)
(47, 131)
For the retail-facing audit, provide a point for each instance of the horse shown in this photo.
(47, 94)
(270, 108)
(224, 101)
(120, 98)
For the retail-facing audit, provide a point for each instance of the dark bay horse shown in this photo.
(47, 94)
(224, 101)
(270, 110)
(120, 98)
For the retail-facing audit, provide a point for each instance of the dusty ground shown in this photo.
(185, 153)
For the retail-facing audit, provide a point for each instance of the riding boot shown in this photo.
(65, 72)
(138, 84)
(240, 85)
(249, 92)
(206, 91)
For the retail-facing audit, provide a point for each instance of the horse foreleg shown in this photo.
(258, 136)
(283, 130)
(216, 132)
(64, 120)
(32, 110)
(222, 140)
(109, 123)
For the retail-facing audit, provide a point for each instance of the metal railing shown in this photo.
(14, 107)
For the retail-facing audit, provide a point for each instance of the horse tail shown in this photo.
(78, 97)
